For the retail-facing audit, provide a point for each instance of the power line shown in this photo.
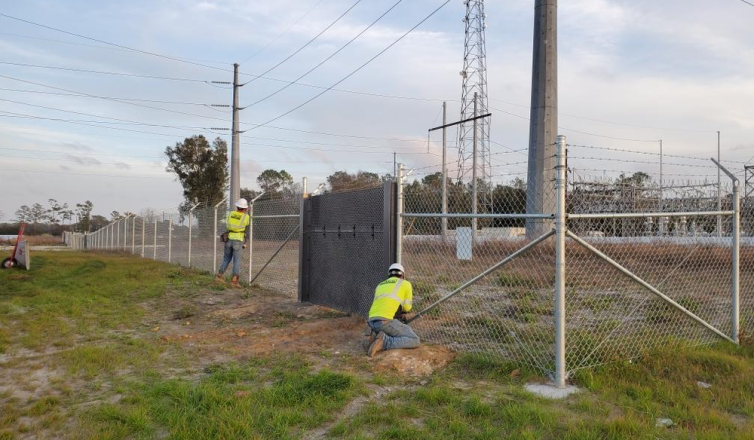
(312, 40)
(154, 54)
(357, 69)
(112, 99)
(119, 120)
(85, 174)
(282, 33)
(82, 122)
(341, 48)
(81, 95)
(606, 121)
(203, 116)
(98, 47)
(748, 3)
(103, 72)
(579, 131)
(90, 123)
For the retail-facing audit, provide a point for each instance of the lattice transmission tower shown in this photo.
(474, 76)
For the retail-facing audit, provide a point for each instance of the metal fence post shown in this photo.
(170, 238)
(251, 238)
(214, 235)
(398, 216)
(191, 211)
(154, 249)
(117, 241)
(133, 235)
(125, 232)
(143, 229)
(251, 232)
(735, 262)
(560, 262)
(736, 233)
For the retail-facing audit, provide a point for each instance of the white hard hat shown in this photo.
(396, 267)
(242, 203)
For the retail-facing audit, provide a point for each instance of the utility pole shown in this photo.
(474, 207)
(444, 172)
(543, 126)
(719, 191)
(235, 160)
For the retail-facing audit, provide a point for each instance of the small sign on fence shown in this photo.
(463, 243)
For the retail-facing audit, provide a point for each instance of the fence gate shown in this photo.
(347, 243)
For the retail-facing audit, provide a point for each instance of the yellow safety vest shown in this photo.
(236, 223)
(390, 294)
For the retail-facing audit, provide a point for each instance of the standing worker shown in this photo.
(392, 300)
(237, 224)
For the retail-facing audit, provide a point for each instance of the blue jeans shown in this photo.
(233, 251)
(397, 334)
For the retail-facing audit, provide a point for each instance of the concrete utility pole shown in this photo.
(235, 159)
(543, 127)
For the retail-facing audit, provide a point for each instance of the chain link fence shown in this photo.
(617, 267)
(191, 239)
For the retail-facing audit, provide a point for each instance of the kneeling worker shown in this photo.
(392, 298)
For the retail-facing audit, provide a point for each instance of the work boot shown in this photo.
(369, 337)
(219, 279)
(234, 282)
(377, 345)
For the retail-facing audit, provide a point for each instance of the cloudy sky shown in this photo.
(631, 72)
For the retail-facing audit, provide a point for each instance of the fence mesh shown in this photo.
(192, 239)
(509, 313)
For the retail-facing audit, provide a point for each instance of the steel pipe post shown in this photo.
(170, 238)
(736, 233)
(143, 229)
(735, 263)
(133, 235)
(560, 264)
(251, 232)
(190, 213)
(154, 249)
(399, 216)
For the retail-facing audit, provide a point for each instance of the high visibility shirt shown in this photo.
(390, 294)
(236, 223)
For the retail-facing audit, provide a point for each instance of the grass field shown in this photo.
(103, 346)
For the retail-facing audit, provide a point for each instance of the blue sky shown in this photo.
(673, 70)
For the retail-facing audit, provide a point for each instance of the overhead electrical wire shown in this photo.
(185, 60)
(328, 58)
(124, 101)
(99, 47)
(145, 52)
(312, 40)
(104, 72)
(271, 42)
(353, 72)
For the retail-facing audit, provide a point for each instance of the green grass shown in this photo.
(72, 294)
(618, 401)
(115, 379)
(236, 401)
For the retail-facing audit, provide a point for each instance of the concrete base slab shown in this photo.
(550, 391)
